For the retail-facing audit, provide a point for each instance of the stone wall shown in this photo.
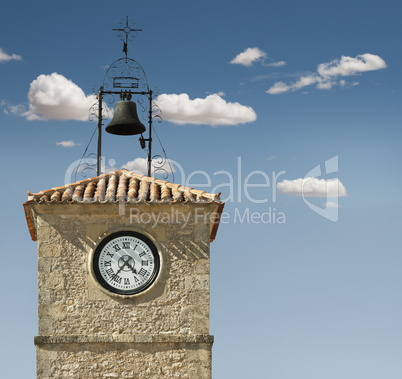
(73, 305)
(118, 357)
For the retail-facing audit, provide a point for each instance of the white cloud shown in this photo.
(326, 76)
(69, 143)
(331, 204)
(213, 110)
(248, 56)
(4, 57)
(279, 87)
(325, 84)
(140, 166)
(254, 54)
(271, 157)
(312, 187)
(272, 75)
(276, 64)
(58, 98)
(343, 83)
(347, 66)
(15, 109)
(305, 81)
(220, 93)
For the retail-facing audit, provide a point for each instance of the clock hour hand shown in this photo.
(131, 268)
(123, 265)
(126, 262)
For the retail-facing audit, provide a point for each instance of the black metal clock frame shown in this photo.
(104, 283)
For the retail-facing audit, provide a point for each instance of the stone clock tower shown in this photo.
(123, 278)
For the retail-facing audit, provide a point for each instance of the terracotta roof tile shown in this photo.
(89, 192)
(133, 189)
(122, 186)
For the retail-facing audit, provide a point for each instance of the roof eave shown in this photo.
(32, 229)
(30, 223)
(216, 222)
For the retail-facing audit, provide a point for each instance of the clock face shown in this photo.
(126, 263)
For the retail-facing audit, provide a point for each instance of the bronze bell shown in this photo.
(125, 120)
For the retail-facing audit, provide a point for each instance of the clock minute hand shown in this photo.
(131, 268)
(124, 264)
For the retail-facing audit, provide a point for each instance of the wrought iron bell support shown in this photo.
(125, 122)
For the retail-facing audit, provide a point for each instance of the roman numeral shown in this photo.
(126, 245)
(108, 263)
(117, 247)
(142, 272)
(110, 255)
(144, 263)
(142, 254)
(110, 272)
(135, 279)
(116, 278)
(126, 281)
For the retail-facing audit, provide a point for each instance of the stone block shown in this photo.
(54, 282)
(94, 231)
(196, 318)
(44, 265)
(201, 266)
(44, 297)
(45, 326)
(54, 311)
(198, 282)
(200, 298)
(49, 250)
(94, 292)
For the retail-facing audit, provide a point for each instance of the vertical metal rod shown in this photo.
(150, 134)
(99, 161)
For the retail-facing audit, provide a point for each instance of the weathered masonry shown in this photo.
(123, 278)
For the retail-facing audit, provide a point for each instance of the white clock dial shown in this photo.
(126, 263)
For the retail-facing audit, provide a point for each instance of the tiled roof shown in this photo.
(121, 186)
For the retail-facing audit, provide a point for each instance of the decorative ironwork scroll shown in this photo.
(125, 75)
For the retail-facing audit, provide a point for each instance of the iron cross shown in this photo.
(129, 31)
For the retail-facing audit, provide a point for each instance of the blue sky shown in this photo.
(322, 297)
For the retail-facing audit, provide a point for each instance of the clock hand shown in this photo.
(124, 264)
(131, 267)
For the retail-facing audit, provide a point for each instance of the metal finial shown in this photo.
(126, 32)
